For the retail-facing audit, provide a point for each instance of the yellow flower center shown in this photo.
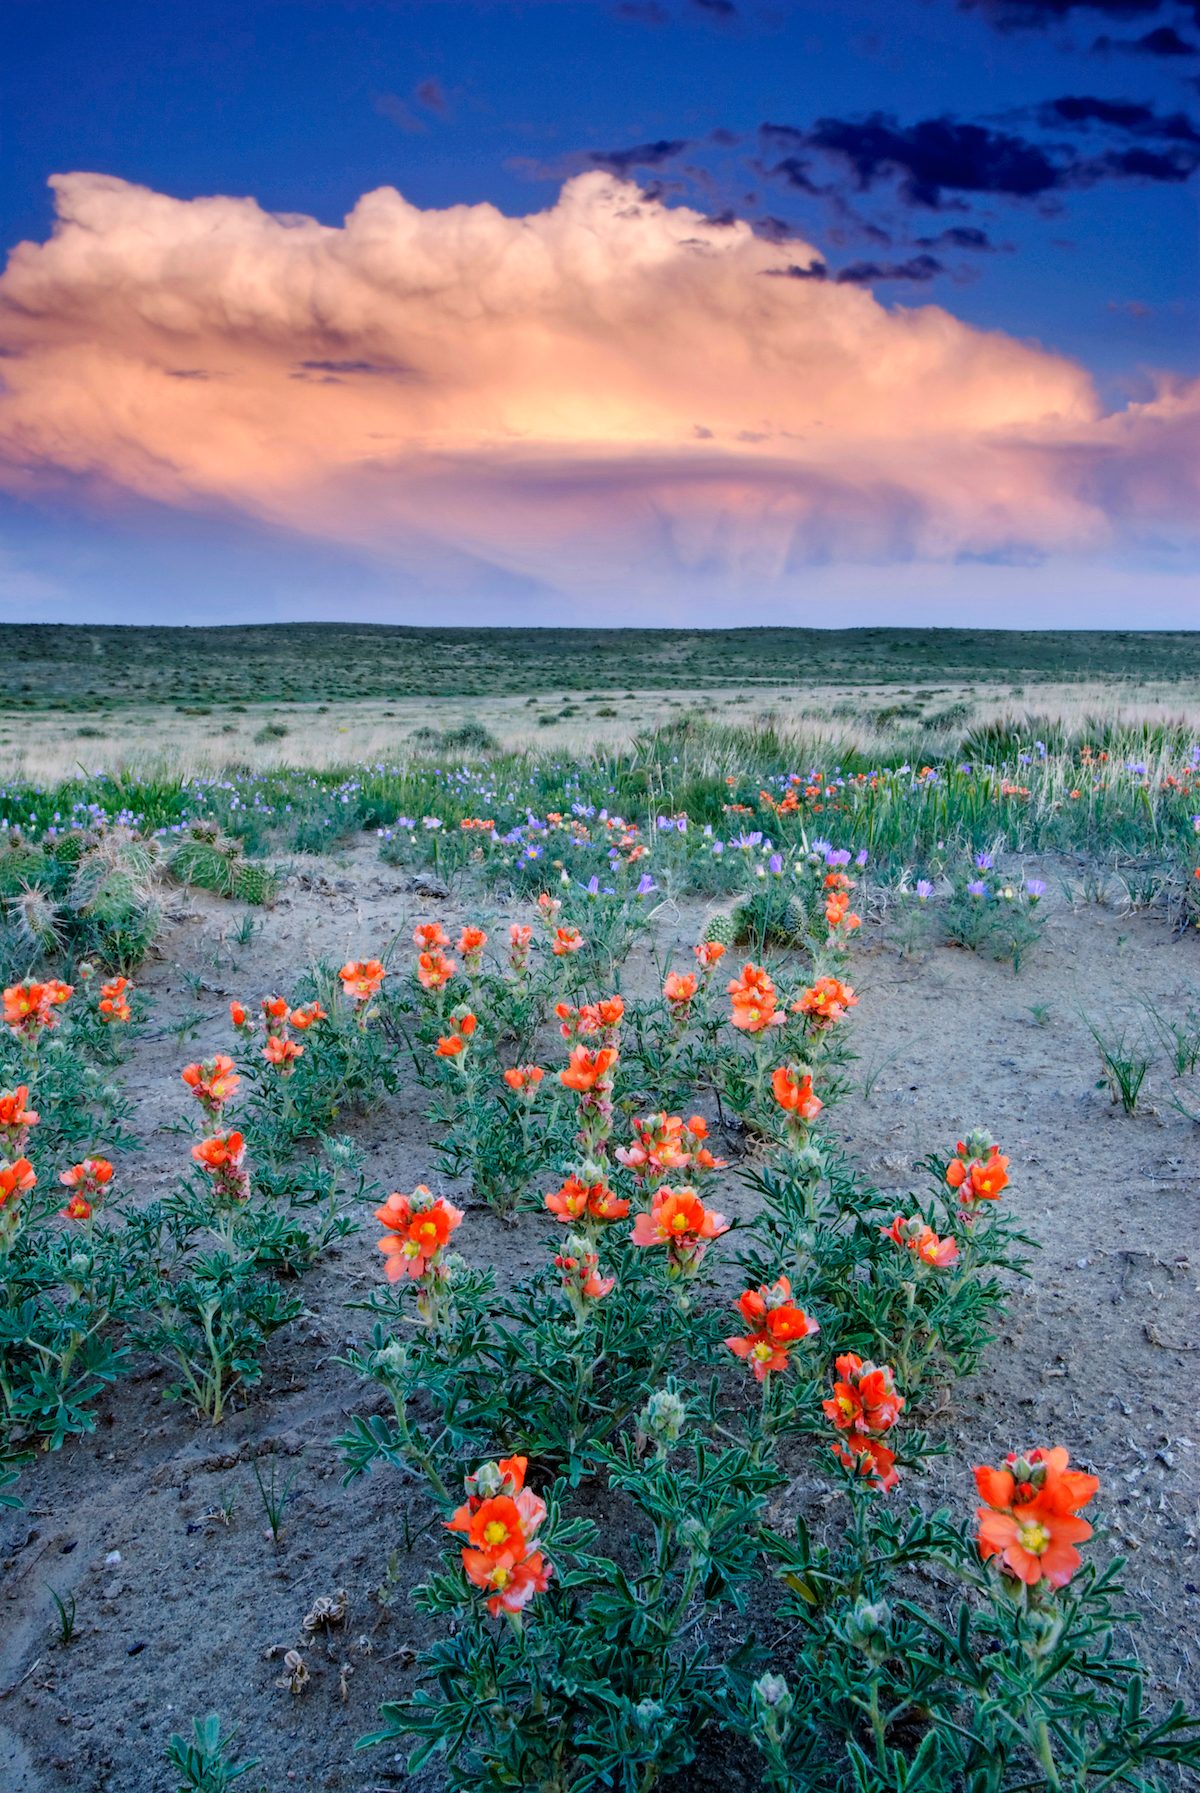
(1033, 1537)
(679, 1222)
(499, 1577)
(495, 1532)
(762, 1351)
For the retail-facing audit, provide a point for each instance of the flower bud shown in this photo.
(773, 1691)
(648, 1714)
(809, 1161)
(695, 1536)
(866, 1627)
(390, 1361)
(487, 1481)
(664, 1416)
(1045, 1628)
(345, 1153)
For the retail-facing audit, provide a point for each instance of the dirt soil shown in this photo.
(1098, 1352)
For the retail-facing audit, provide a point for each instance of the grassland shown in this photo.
(97, 668)
(186, 702)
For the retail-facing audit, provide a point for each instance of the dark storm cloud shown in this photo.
(381, 370)
(1012, 14)
(932, 158)
(793, 169)
(1142, 165)
(864, 273)
(1131, 116)
(958, 236)
(939, 161)
(641, 155)
(1163, 41)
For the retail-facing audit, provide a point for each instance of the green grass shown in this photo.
(108, 668)
(1029, 789)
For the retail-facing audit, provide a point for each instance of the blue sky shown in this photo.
(1060, 210)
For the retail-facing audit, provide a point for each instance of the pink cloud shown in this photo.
(609, 394)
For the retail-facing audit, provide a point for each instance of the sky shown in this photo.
(601, 312)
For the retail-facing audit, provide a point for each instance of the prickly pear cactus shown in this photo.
(255, 884)
(70, 848)
(22, 867)
(206, 861)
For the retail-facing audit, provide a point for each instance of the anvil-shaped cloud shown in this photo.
(613, 393)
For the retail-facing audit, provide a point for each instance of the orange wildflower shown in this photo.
(500, 1519)
(865, 1397)
(361, 978)
(826, 1001)
(776, 1324)
(113, 1003)
(914, 1235)
(419, 1226)
(507, 1476)
(212, 1082)
(1031, 1518)
(453, 1045)
(1039, 1476)
(524, 1079)
(434, 970)
(579, 1268)
(471, 943)
(679, 1220)
(680, 987)
(752, 996)
(977, 1179)
(869, 1458)
(429, 935)
(577, 1200)
(588, 1070)
(78, 1208)
(793, 1091)
(308, 1016)
(663, 1143)
(513, 1580)
(238, 1014)
(16, 1179)
(29, 1007)
(282, 1053)
(838, 913)
(708, 952)
(865, 1405)
(520, 939)
(91, 1174)
(16, 1120)
(566, 940)
(275, 1008)
(591, 1018)
(223, 1156)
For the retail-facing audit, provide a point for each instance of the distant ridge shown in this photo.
(104, 667)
